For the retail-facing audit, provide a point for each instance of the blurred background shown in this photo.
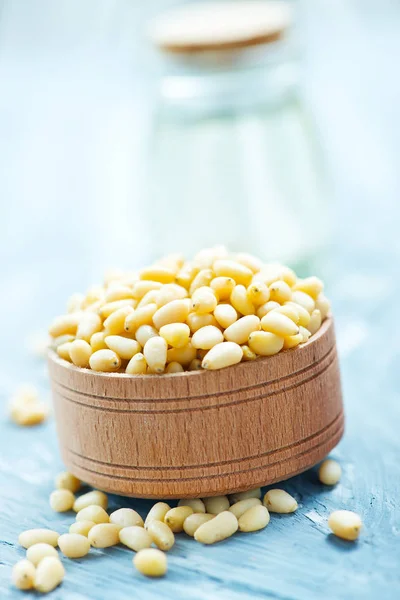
(113, 152)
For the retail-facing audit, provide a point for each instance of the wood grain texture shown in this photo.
(201, 433)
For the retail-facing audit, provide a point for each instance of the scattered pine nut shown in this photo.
(256, 493)
(74, 545)
(193, 522)
(94, 513)
(254, 519)
(151, 562)
(157, 512)
(239, 508)
(49, 574)
(67, 481)
(345, 524)
(329, 472)
(136, 538)
(37, 552)
(221, 527)
(126, 517)
(176, 517)
(161, 534)
(279, 501)
(95, 497)
(196, 504)
(81, 527)
(35, 536)
(62, 500)
(216, 504)
(104, 535)
(23, 575)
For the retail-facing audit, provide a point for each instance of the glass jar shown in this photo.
(234, 156)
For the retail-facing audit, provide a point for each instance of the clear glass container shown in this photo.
(234, 157)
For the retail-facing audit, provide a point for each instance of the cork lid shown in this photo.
(213, 26)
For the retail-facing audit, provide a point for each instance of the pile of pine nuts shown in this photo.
(209, 313)
(207, 520)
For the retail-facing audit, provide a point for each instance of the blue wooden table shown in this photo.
(60, 128)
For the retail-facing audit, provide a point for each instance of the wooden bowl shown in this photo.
(201, 433)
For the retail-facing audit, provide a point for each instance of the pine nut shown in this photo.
(67, 481)
(206, 257)
(155, 353)
(62, 500)
(80, 353)
(305, 334)
(173, 312)
(216, 504)
(81, 527)
(94, 513)
(176, 334)
(89, 324)
(136, 538)
(186, 275)
(150, 298)
(104, 535)
(183, 355)
(345, 524)
(23, 575)
(74, 545)
(239, 508)
(97, 341)
(304, 315)
(140, 316)
(241, 302)
(157, 512)
(254, 519)
(176, 517)
(207, 337)
(126, 517)
(279, 501)
(225, 315)
(239, 496)
(37, 552)
(323, 305)
(202, 279)
(247, 353)
(329, 472)
(222, 287)
(221, 527)
(266, 308)
(291, 311)
(106, 310)
(169, 292)
(230, 268)
(49, 574)
(204, 300)
(95, 497)
(65, 324)
(118, 292)
(258, 293)
(292, 341)
(151, 562)
(196, 321)
(280, 324)
(137, 365)
(124, 347)
(222, 355)
(28, 414)
(239, 331)
(115, 323)
(195, 365)
(105, 360)
(174, 367)
(280, 292)
(265, 343)
(37, 536)
(193, 522)
(315, 321)
(142, 287)
(157, 273)
(195, 504)
(161, 534)
(303, 300)
(144, 333)
(311, 286)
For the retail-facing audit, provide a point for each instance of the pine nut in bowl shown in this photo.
(205, 428)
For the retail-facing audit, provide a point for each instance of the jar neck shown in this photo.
(222, 82)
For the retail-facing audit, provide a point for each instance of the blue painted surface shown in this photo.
(46, 251)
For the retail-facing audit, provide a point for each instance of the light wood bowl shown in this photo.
(201, 433)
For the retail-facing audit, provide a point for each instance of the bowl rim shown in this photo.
(53, 356)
